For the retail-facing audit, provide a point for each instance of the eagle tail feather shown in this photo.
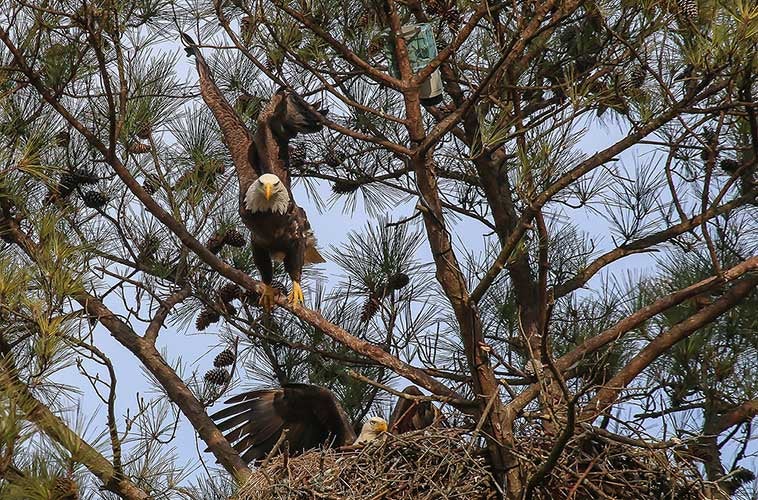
(312, 255)
(190, 47)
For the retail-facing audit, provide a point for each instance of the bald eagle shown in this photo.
(279, 227)
(312, 417)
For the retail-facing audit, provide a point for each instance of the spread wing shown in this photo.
(311, 415)
(410, 415)
(236, 135)
(284, 117)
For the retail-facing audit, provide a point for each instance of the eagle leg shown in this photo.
(296, 295)
(267, 298)
(293, 264)
(262, 259)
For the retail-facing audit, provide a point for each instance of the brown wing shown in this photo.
(284, 117)
(256, 419)
(410, 415)
(236, 135)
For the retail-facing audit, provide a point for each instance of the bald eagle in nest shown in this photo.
(313, 418)
(279, 227)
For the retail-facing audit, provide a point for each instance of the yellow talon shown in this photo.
(296, 295)
(267, 298)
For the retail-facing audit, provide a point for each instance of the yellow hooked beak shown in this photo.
(267, 191)
(381, 427)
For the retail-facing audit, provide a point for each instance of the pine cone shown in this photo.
(94, 199)
(740, 476)
(709, 135)
(228, 308)
(151, 184)
(637, 76)
(297, 155)
(229, 292)
(65, 488)
(729, 165)
(206, 318)
(72, 180)
(248, 105)
(145, 131)
(234, 238)
(711, 142)
(224, 358)
(216, 242)
(334, 158)
(363, 20)
(625, 86)
(435, 7)
(453, 19)
(217, 376)
(373, 47)
(148, 247)
(84, 176)
(688, 9)
(369, 309)
(398, 281)
(252, 298)
(441, 44)
(281, 287)
(345, 186)
(66, 185)
(139, 148)
(62, 138)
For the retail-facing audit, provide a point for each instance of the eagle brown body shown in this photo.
(410, 415)
(275, 236)
(282, 237)
(313, 416)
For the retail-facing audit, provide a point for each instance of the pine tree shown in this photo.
(561, 253)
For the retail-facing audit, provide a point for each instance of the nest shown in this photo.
(592, 466)
(451, 464)
(420, 465)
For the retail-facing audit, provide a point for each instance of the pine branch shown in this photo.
(742, 413)
(147, 353)
(569, 360)
(37, 413)
(641, 245)
(608, 394)
(568, 178)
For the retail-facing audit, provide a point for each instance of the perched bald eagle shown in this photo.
(279, 227)
(312, 416)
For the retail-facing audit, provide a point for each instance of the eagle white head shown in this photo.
(267, 194)
(371, 430)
